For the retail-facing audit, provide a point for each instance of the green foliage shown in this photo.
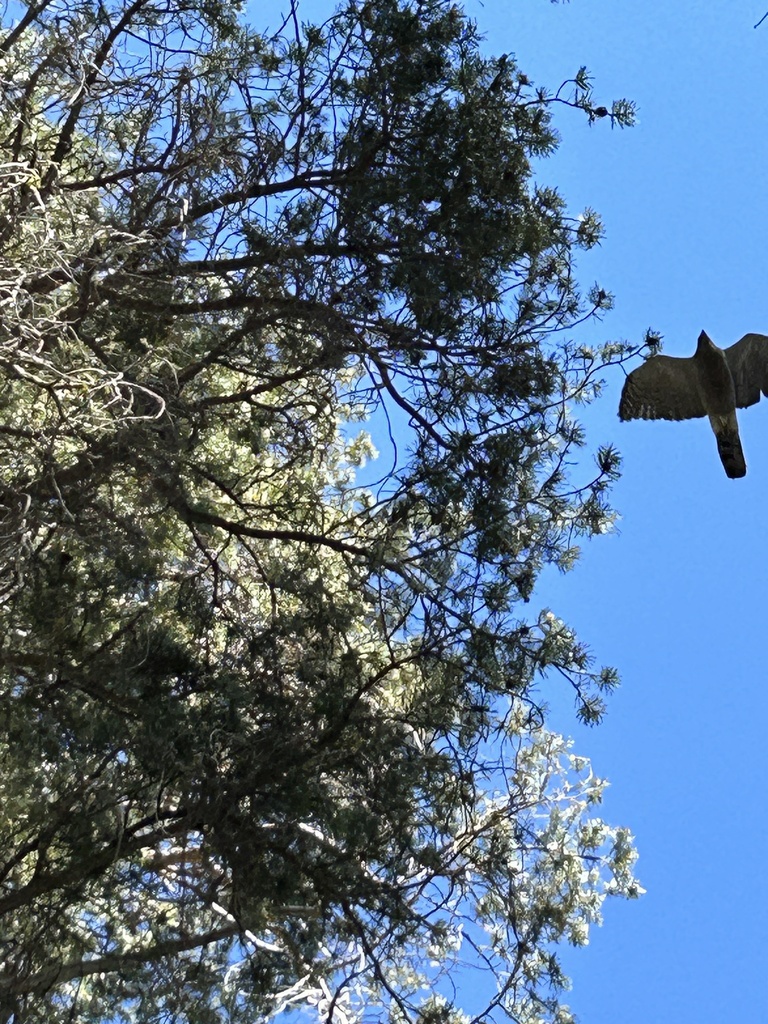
(270, 737)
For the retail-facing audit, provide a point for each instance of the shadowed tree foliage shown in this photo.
(270, 739)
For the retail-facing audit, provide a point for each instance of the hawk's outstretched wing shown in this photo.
(663, 388)
(748, 362)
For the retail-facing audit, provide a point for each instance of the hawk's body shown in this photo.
(713, 382)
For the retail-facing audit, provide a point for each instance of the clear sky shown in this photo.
(676, 599)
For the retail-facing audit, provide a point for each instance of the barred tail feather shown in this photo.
(731, 453)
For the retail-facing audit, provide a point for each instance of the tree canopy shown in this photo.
(272, 738)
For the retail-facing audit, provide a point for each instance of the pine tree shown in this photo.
(270, 738)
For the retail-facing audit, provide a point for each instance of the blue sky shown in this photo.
(676, 598)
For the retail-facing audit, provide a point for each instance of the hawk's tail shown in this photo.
(731, 453)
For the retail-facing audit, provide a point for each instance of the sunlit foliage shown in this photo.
(270, 737)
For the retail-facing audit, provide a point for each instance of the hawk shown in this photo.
(713, 382)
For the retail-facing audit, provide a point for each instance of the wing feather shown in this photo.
(662, 388)
(748, 362)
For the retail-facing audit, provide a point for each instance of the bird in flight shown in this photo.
(713, 382)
